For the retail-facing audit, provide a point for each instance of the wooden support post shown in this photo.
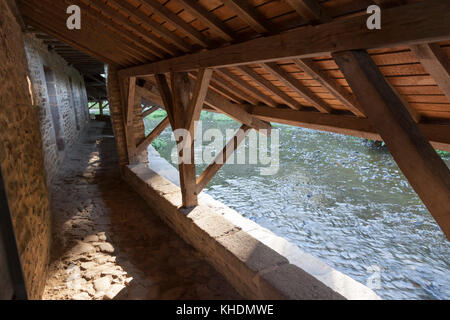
(183, 111)
(101, 107)
(153, 135)
(181, 91)
(127, 88)
(222, 158)
(425, 170)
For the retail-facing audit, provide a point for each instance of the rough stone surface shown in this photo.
(71, 99)
(21, 156)
(257, 263)
(128, 252)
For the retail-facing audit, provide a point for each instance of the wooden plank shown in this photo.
(310, 10)
(247, 12)
(222, 158)
(166, 96)
(269, 86)
(159, 9)
(424, 169)
(295, 85)
(153, 96)
(130, 102)
(154, 26)
(153, 135)
(436, 63)
(425, 21)
(209, 19)
(236, 112)
(119, 18)
(236, 91)
(309, 66)
(150, 111)
(246, 86)
(438, 135)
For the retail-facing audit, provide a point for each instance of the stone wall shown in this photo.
(21, 156)
(257, 263)
(65, 108)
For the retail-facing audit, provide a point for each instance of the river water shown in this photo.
(343, 200)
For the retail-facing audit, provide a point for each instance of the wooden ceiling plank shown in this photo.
(422, 166)
(299, 88)
(310, 10)
(148, 40)
(309, 66)
(46, 8)
(269, 86)
(413, 23)
(436, 63)
(246, 86)
(247, 12)
(176, 21)
(79, 43)
(153, 25)
(209, 19)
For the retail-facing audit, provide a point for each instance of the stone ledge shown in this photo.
(257, 263)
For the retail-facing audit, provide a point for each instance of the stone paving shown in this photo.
(107, 242)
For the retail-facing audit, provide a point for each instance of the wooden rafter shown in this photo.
(159, 9)
(162, 31)
(425, 21)
(221, 158)
(269, 86)
(209, 19)
(436, 63)
(309, 66)
(150, 39)
(295, 85)
(424, 169)
(248, 14)
(310, 10)
(244, 85)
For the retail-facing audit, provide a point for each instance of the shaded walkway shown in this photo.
(107, 243)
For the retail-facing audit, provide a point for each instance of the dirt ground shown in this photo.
(108, 243)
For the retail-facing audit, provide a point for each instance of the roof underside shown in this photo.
(130, 33)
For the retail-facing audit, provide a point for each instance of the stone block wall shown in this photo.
(21, 155)
(67, 101)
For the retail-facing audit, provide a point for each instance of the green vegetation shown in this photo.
(443, 153)
(159, 144)
(160, 113)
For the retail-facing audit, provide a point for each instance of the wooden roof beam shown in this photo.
(246, 87)
(436, 63)
(422, 166)
(269, 86)
(299, 88)
(160, 46)
(157, 8)
(420, 22)
(209, 19)
(154, 26)
(437, 134)
(247, 12)
(310, 10)
(309, 66)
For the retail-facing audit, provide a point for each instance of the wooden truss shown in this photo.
(329, 72)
